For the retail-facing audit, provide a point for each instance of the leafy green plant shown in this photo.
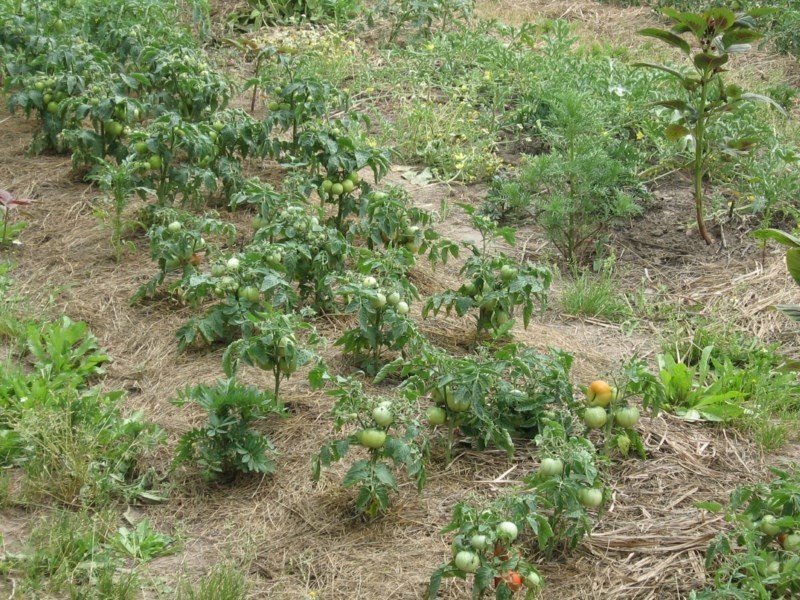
(11, 231)
(383, 321)
(421, 16)
(488, 398)
(759, 555)
(792, 263)
(717, 33)
(273, 347)
(227, 444)
(391, 435)
(142, 543)
(118, 181)
(595, 296)
(486, 548)
(581, 186)
(497, 284)
(224, 582)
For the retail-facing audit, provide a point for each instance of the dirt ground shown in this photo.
(302, 539)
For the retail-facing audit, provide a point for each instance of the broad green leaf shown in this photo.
(762, 98)
(674, 132)
(793, 263)
(675, 104)
(708, 62)
(787, 239)
(670, 70)
(739, 36)
(720, 18)
(694, 23)
(667, 37)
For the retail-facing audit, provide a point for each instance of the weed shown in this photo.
(224, 582)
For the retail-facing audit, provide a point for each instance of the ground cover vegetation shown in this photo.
(248, 170)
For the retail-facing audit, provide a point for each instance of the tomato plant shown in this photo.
(273, 347)
(382, 326)
(485, 548)
(179, 251)
(391, 435)
(496, 284)
(759, 555)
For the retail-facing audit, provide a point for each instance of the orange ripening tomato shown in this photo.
(196, 259)
(511, 578)
(599, 393)
(500, 551)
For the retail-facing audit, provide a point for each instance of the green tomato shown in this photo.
(378, 301)
(595, 417)
(353, 176)
(369, 282)
(393, 298)
(627, 416)
(39, 86)
(140, 147)
(218, 126)
(402, 308)
(768, 526)
(507, 273)
(590, 497)
(218, 270)
(232, 264)
(791, 543)
(467, 561)
(327, 184)
(337, 189)
(348, 186)
(250, 293)
(479, 541)
(508, 531)
(113, 128)
(551, 466)
(371, 438)
(174, 227)
(436, 415)
(52, 107)
(383, 415)
(457, 404)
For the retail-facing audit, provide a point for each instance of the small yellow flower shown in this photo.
(430, 47)
(487, 75)
(459, 166)
(639, 135)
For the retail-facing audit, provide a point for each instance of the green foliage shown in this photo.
(595, 296)
(228, 443)
(142, 542)
(11, 230)
(392, 436)
(423, 17)
(272, 346)
(707, 100)
(580, 187)
(759, 555)
(224, 582)
(497, 285)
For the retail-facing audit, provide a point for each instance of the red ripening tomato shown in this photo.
(500, 551)
(511, 578)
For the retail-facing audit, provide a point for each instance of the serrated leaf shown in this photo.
(706, 61)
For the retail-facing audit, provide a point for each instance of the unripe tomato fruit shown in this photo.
(378, 300)
(508, 530)
(467, 561)
(402, 308)
(551, 467)
(383, 415)
(436, 415)
(507, 273)
(768, 526)
(348, 186)
(479, 541)
(371, 438)
(595, 417)
(155, 162)
(791, 542)
(627, 416)
(232, 264)
(174, 227)
(337, 189)
(457, 404)
(599, 393)
(590, 497)
(393, 298)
